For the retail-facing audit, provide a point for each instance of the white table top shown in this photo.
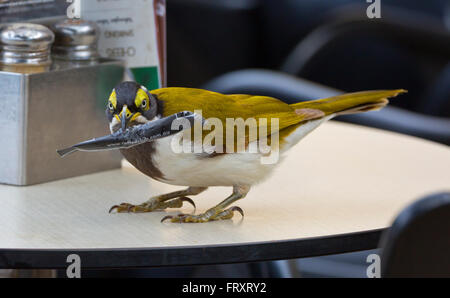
(341, 179)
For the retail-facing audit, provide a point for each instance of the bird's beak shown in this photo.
(124, 118)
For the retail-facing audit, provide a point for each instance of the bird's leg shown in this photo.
(161, 202)
(216, 213)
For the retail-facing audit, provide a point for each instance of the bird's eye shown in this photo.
(110, 106)
(144, 104)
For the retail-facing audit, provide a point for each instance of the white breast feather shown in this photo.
(190, 169)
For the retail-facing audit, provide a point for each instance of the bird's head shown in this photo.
(130, 104)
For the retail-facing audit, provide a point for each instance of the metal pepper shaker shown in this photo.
(25, 48)
(75, 42)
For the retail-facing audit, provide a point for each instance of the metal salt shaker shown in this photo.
(25, 48)
(75, 42)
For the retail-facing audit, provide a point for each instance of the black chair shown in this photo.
(352, 52)
(418, 243)
(291, 89)
(438, 95)
(339, 46)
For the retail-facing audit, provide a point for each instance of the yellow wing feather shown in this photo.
(346, 103)
(221, 106)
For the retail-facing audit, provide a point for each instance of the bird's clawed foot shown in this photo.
(154, 204)
(210, 215)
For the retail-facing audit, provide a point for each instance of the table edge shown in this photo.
(192, 255)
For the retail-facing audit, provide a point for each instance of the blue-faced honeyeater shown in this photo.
(131, 104)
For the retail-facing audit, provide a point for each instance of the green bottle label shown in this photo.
(147, 76)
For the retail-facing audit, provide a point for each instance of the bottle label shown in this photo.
(129, 30)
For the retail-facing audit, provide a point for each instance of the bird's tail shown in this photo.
(350, 103)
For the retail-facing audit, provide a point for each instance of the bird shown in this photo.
(131, 104)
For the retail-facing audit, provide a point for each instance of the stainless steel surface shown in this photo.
(22, 43)
(46, 111)
(75, 40)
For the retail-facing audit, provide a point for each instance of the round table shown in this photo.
(335, 192)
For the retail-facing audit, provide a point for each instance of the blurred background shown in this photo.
(331, 42)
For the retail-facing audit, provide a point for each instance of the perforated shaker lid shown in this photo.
(75, 40)
(23, 43)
